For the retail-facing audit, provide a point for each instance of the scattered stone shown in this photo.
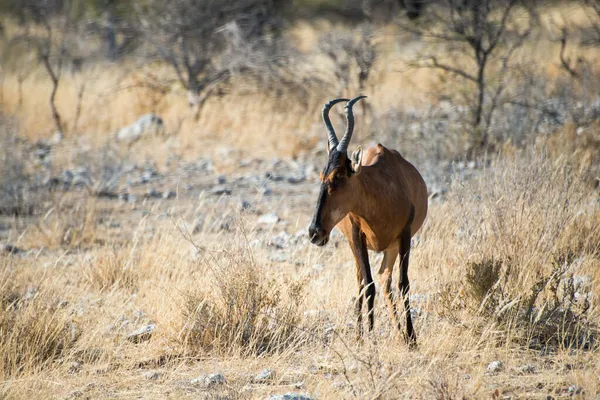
(270, 218)
(209, 380)
(527, 369)
(75, 394)
(127, 197)
(219, 190)
(41, 151)
(279, 241)
(575, 389)
(149, 174)
(296, 179)
(338, 384)
(141, 335)
(495, 366)
(245, 205)
(169, 194)
(107, 194)
(76, 177)
(266, 375)
(9, 248)
(153, 375)
(139, 314)
(581, 280)
(30, 293)
(75, 367)
(272, 177)
(278, 257)
(300, 235)
(226, 224)
(153, 194)
(290, 396)
(56, 138)
(145, 125)
(318, 267)
(265, 191)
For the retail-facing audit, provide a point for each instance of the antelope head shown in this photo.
(338, 179)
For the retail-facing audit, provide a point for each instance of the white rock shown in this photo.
(278, 257)
(143, 334)
(575, 389)
(209, 380)
(527, 369)
(495, 366)
(144, 126)
(270, 218)
(56, 138)
(290, 396)
(265, 376)
(153, 375)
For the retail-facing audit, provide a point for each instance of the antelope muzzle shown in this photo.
(317, 235)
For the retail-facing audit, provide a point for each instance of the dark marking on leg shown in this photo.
(365, 280)
(404, 284)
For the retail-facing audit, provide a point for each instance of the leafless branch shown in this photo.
(563, 60)
(448, 68)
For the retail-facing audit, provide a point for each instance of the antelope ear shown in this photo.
(356, 159)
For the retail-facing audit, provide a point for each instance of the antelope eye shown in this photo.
(338, 177)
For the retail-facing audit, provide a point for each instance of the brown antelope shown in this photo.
(379, 201)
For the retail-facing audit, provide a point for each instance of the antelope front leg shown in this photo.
(404, 284)
(366, 287)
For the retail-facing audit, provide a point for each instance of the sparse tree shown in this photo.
(484, 33)
(50, 43)
(207, 41)
(352, 56)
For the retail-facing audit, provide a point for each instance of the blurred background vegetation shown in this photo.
(447, 80)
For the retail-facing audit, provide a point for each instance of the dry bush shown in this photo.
(528, 249)
(112, 268)
(67, 224)
(242, 310)
(35, 329)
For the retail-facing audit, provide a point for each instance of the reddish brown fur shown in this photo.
(383, 194)
(373, 206)
(379, 198)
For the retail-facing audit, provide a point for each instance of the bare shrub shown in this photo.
(112, 268)
(68, 224)
(533, 243)
(482, 277)
(242, 311)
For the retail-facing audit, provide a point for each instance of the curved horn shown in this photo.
(343, 145)
(333, 142)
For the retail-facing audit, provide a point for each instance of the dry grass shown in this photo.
(506, 267)
(242, 310)
(34, 325)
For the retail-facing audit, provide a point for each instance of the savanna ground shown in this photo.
(200, 234)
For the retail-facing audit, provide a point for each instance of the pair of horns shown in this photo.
(341, 146)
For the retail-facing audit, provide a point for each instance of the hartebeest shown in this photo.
(379, 201)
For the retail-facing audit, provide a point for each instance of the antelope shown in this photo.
(379, 201)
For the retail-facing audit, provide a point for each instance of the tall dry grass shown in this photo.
(506, 268)
(523, 244)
